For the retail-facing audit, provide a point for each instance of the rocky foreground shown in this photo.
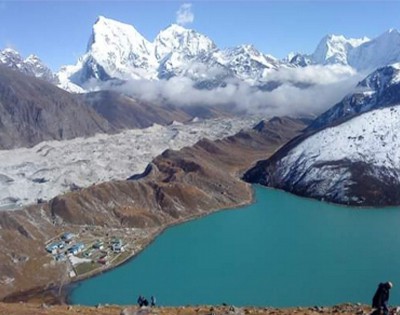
(37, 309)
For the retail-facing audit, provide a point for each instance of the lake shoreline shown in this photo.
(54, 295)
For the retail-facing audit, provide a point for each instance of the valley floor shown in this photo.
(36, 309)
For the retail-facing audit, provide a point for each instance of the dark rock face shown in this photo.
(300, 60)
(90, 70)
(277, 128)
(365, 185)
(124, 112)
(32, 110)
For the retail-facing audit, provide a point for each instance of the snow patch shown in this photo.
(371, 138)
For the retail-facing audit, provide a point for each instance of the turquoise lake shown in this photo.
(282, 250)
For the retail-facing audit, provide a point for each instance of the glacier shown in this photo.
(31, 175)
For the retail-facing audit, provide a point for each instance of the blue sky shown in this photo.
(58, 31)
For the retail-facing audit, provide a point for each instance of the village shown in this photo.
(89, 249)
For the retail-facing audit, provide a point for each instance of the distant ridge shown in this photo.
(33, 110)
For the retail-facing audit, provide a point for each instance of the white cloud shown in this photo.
(302, 91)
(314, 74)
(184, 15)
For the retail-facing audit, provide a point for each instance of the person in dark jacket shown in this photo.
(381, 298)
(140, 300)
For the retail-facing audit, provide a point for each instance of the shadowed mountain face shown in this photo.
(378, 90)
(32, 110)
(124, 112)
(177, 186)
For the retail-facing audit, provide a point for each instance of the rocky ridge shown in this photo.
(33, 110)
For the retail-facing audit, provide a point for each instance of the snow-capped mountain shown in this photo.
(376, 53)
(379, 89)
(176, 38)
(117, 52)
(184, 52)
(298, 60)
(363, 54)
(247, 63)
(356, 162)
(31, 66)
(334, 49)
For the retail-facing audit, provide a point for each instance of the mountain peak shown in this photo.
(33, 57)
(31, 66)
(175, 28)
(390, 33)
(104, 20)
(246, 48)
(392, 30)
(117, 47)
(177, 38)
(335, 49)
(10, 50)
(334, 37)
(111, 30)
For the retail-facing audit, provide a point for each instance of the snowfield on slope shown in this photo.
(53, 167)
(371, 138)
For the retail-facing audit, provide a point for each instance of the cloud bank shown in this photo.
(299, 91)
(184, 15)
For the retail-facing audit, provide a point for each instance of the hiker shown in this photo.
(140, 300)
(153, 300)
(381, 298)
(145, 302)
